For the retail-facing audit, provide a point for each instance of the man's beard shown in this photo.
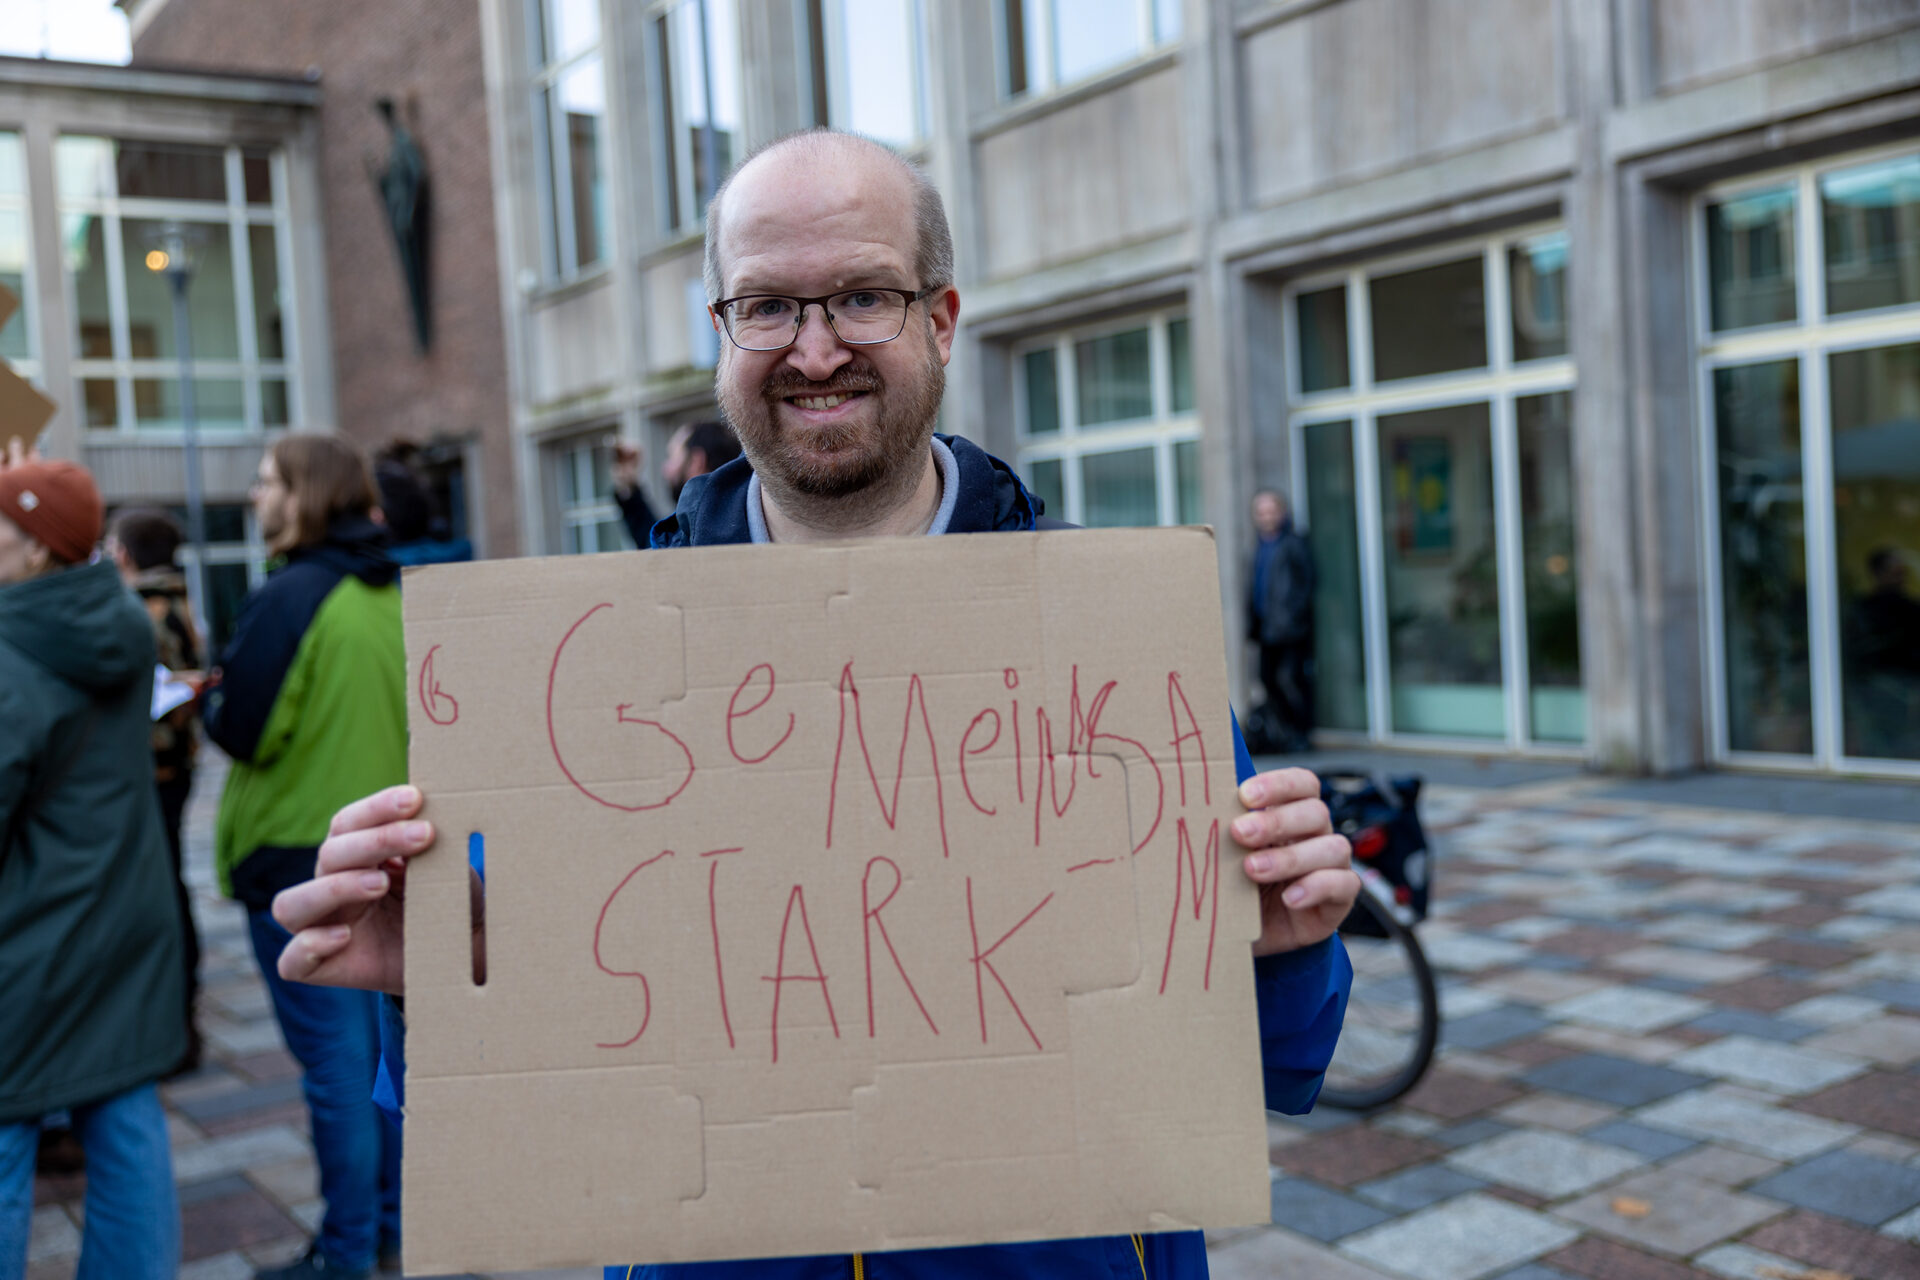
(837, 461)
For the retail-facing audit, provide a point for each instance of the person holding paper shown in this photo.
(90, 973)
(309, 701)
(830, 266)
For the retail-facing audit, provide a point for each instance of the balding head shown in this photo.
(833, 161)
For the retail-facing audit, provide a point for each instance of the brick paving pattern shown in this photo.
(1680, 1043)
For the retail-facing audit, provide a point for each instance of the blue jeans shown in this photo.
(335, 1033)
(133, 1217)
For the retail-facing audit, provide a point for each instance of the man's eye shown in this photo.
(769, 308)
(861, 301)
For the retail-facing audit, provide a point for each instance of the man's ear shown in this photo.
(943, 309)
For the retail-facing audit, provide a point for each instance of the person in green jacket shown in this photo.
(90, 969)
(309, 700)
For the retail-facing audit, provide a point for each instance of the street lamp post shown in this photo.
(172, 256)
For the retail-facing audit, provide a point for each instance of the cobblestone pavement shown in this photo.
(1679, 1042)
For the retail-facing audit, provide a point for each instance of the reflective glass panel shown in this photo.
(881, 97)
(576, 27)
(273, 402)
(99, 403)
(1180, 365)
(1876, 515)
(1750, 272)
(1431, 320)
(269, 334)
(1186, 481)
(83, 246)
(1870, 219)
(583, 98)
(1091, 35)
(217, 404)
(1443, 590)
(256, 175)
(1763, 560)
(210, 295)
(13, 167)
(171, 171)
(703, 148)
(83, 168)
(1166, 21)
(1339, 641)
(1041, 371)
(1113, 378)
(1118, 489)
(1557, 702)
(13, 278)
(1537, 279)
(1048, 486)
(1322, 333)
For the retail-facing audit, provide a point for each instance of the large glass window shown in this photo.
(1049, 43)
(695, 52)
(569, 117)
(866, 67)
(1813, 429)
(14, 257)
(1108, 434)
(126, 208)
(581, 473)
(1441, 511)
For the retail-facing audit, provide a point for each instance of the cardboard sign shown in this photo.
(838, 898)
(23, 410)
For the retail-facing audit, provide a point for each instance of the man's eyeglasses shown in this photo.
(858, 317)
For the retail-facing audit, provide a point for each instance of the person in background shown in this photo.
(1280, 620)
(407, 509)
(90, 971)
(142, 545)
(695, 449)
(309, 701)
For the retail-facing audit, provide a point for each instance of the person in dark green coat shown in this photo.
(90, 969)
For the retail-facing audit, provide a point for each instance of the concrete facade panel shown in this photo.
(1692, 41)
(573, 345)
(153, 473)
(669, 345)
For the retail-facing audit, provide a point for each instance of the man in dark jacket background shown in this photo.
(695, 449)
(1280, 620)
(90, 972)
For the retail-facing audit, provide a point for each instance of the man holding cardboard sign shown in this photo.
(836, 411)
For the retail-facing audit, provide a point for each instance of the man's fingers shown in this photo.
(1296, 820)
(1322, 888)
(1321, 853)
(368, 849)
(308, 949)
(1279, 786)
(394, 803)
(328, 899)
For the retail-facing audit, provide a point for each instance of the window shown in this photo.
(866, 67)
(582, 477)
(16, 348)
(695, 52)
(122, 203)
(1810, 391)
(1108, 431)
(1049, 43)
(1432, 428)
(570, 120)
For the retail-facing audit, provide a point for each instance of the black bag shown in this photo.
(1383, 825)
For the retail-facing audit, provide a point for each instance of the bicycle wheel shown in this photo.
(1393, 1015)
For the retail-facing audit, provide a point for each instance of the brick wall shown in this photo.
(425, 55)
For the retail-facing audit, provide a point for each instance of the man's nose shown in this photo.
(817, 350)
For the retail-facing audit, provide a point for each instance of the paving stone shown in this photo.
(1536, 1271)
(1466, 954)
(1529, 928)
(1462, 1239)
(1668, 982)
(1461, 1000)
(274, 1064)
(1266, 1254)
(1838, 1246)
(1541, 1163)
(1720, 1115)
(1878, 1100)
(1313, 1210)
(1685, 1214)
(51, 1234)
(1766, 993)
(1532, 1053)
(1893, 900)
(1411, 1123)
(1886, 1148)
(1847, 1185)
(1345, 1158)
(1654, 1144)
(1647, 1048)
(1905, 1227)
(1494, 1027)
(1745, 1022)
(1630, 1009)
(1711, 966)
(1856, 928)
(1892, 1041)
(221, 1266)
(1767, 1064)
(1711, 931)
(1418, 1187)
(1452, 1095)
(1607, 1079)
(289, 1182)
(1465, 1135)
(1904, 996)
(253, 1097)
(1535, 986)
(1807, 955)
(1481, 1066)
(1599, 1259)
(1739, 1262)
(229, 1155)
(1548, 1112)
(1723, 1166)
(1324, 1117)
(289, 1115)
(1588, 942)
(238, 1217)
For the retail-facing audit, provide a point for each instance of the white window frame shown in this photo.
(29, 365)
(831, 57)
(682, 208)
(1809, 339)
(249, 368)
(553, 158)
(574, 452)
(1499, 384)
(1161, 431)
(1040, 35)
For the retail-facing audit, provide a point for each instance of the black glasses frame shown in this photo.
(800, 317)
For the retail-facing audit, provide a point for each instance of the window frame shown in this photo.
(1500, 384)
(681, 208)
(1163, 430)
(248, 367)
(31, 365)
(554, 212)
(1042, 37)
(1810, 340)
(823, 67)
(574, 450)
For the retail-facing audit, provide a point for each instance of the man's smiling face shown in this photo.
(824, 419)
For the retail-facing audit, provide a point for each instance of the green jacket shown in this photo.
(90, 973)
(311, 705)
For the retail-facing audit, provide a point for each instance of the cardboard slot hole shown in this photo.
(477, 904)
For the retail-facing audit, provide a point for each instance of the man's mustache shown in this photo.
(789, 382)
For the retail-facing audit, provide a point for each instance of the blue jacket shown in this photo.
(1302, 995)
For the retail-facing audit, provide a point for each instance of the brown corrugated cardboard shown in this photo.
(842, 897)
(23, 410)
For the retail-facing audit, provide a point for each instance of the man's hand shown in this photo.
(626, 466)
(1304, 870)
(348, 922)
